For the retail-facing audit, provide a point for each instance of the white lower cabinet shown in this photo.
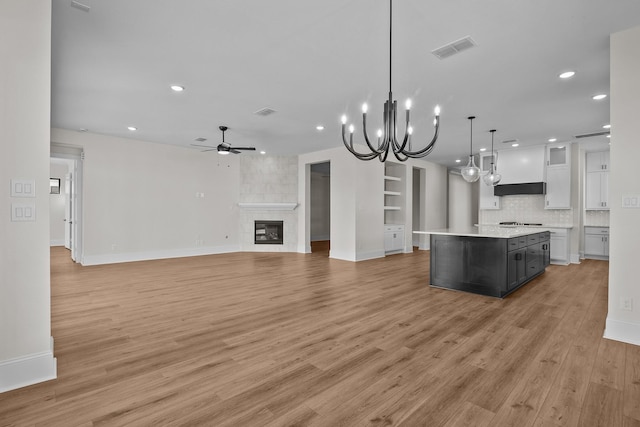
(559, 240)
(393, 238)
(596, 242)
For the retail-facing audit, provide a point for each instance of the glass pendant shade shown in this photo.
(493, 177)
(471, 172)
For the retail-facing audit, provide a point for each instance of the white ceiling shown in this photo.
(313, 61)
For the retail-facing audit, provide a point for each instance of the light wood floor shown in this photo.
(257, 339)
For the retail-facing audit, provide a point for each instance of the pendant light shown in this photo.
(471, 172)
(493, 177)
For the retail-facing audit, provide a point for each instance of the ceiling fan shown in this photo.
(224, 147)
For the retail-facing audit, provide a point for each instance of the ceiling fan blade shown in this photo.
(234, 151)
(244, 148)
(205, 146)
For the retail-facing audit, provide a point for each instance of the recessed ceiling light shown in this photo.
(263, 152)
(606, 127)
(515, 144)
(177, 88)
(319, 127)
(599, 97)
(132, 128)
(567, 74)
(553, 139)
(483, 149)
(458, 160)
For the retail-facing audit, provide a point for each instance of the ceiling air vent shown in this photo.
(509, 141)
(201, 139)
(452, 48)
(589, 135)
(264, 111)
(80, 6)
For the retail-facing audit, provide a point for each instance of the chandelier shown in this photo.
(387, 136)
(471, 172)
(493, 177)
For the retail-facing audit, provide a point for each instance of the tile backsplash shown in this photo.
(526, 208)
(597, 218)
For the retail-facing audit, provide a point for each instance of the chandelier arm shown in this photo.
(349, 146)
(425, 151)
(366, 136)
(407, 136)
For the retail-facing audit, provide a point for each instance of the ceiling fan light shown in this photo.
(223, 152)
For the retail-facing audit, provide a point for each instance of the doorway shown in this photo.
(320, 207)
(66, 214)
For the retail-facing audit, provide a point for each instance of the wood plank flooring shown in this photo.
(260, 339)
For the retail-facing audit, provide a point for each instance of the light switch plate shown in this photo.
(631, 201)
(23, 212)
(23, 188)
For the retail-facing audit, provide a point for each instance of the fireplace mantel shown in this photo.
(268, 206)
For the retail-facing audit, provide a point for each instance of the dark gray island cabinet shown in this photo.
(487, 260)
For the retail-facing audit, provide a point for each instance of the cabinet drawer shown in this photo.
(533, 268)
(533, 238)
(522, 242)
(513, 244)
(597, 230)
(545, 236)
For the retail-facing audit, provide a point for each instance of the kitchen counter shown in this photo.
(487, 260)
(493, 231)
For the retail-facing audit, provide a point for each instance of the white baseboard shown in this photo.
(320, 238)
(575, 258)
(56, 242)
(622, 331)
(350, 256)
(151, 255)
(28, 370)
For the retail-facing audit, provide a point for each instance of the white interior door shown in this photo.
(67, 211)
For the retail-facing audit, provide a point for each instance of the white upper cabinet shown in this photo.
(558, 177)
(598, 161)
(522, 165)
(487, 198)
(597, 181)
(558, 155)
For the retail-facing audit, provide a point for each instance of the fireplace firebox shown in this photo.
(269, 232)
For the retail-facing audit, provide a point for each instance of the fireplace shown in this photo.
(269, 232)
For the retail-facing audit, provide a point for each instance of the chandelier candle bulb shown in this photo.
(344, 119)
(365, 107)
(407, 104)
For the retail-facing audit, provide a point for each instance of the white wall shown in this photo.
(624, 325)
(57, 204)
(462, 210)
(357, 216)
(26, 354)
(141, 199)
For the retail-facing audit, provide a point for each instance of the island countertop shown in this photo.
(493, 231)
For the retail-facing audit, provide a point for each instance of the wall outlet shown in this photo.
(626, 303)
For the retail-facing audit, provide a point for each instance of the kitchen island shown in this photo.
(487, 260)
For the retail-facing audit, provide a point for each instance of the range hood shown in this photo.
(525, 188)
